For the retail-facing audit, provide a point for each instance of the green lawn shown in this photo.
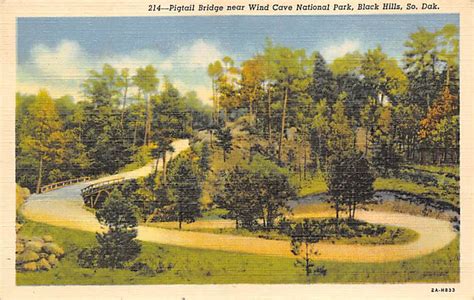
(317, 185)
(207, 266)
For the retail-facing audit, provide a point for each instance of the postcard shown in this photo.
(198, 150)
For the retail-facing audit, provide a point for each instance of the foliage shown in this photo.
(259, 191)
(224, 140)
(306, 235)
(117, 246)
(185, 190)
(350, 182)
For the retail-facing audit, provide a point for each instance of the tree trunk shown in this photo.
(180, 224)
(307, 260)
(305, 161)
(123, 106)
(269, 117)
(283, 119)
(146, 139)
(40, 175)
(163, 157)
(135, 134)
(236, 223)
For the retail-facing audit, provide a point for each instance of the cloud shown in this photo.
(334, 51)
(62, 68)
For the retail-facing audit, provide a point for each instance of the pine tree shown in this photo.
(185, 189)
(118, 245)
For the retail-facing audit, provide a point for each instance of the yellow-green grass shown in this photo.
(454, 169)
(217, 267)
(317, 185)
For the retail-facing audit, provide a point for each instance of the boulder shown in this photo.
(52, 259)
(30, 266)
(52, 248)
(43, 264)
(36, 239)
(47, 238)
(35, 246)
(27, 256)
(19, 247)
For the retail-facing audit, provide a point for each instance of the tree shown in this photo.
(185, 190)
(307, 234)
(342, 137)
(422, 66)
(118, 245)
(385, 156)
(123, 83)
(258, 191)
(237, 194)
(323, 84)
(170, 121)
(204, 158)
(146, 81)
(320, 129)
(42, 139)
(224, 140)
(350, 181)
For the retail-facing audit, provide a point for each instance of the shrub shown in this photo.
(87, 258)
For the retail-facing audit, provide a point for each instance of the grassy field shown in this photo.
(317, 185)
(206, 266)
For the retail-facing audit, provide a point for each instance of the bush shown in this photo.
(87, 258)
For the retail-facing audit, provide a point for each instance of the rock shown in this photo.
(36, 239)
(47, 238)
(19, 247)
(43, 264)
(52, 248)
(52, 260)
(35, 246)
(30, 266)
(27, 256)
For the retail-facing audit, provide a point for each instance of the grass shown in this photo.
(314, 185)
(396, 184)
(453, 170)
(217, 267)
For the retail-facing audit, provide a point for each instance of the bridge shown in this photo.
(60, 184)
(99, 191)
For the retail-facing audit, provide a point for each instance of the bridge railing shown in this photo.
(94, 186)
(60, 184)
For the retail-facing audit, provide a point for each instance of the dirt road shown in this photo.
(64, 207)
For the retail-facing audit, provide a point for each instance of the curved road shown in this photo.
(64, 208)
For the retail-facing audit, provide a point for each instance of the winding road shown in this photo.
(64, 207)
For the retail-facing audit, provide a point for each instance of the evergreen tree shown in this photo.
(185, 190)
(304, 237)
(118, 245)
(224, 140)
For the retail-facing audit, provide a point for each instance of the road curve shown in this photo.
(64, 208)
